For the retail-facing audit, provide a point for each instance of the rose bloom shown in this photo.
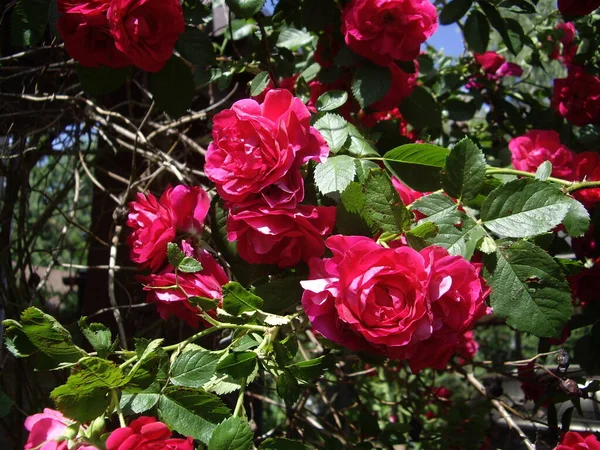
(537, 146)
(468, 346)
(577, 7)
(577, 97)
(146, 30)
(569, 49)
(146, 433)
(402, 86)
(587, 168)
(394, 301)
(490, 62)
(585, 285)
(407, 194)
(388, 30)
(280, 236)
(206, 283)
(155, 223)
(578, 441)
(84, 28)
(46, 432)
(258, 150)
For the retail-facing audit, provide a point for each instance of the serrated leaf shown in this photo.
(313, 368)
(231, 434)
(577, 220)
(334, 129)
(370, 84)
(422, 111)
(189, 265)
(417, 165)
(524, 207)
(191, 412)
(464, 172)
(259, 83)
(477, 31)
(238, 364)
(499, 24)
(335, 174)
(280, 295)
(331, 100)
(529, 289)
(173, 87)
(543, 171)
(237, 300)
(174, 254)
(142, 401)
(245, 8)
(292, 38)
(383, 204)
(418, 236)
(288, 388)
(195, 368)
(98, 336)
(454, 10)
(356, 145)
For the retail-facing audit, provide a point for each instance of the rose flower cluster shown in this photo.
(255, 161)
(178, 216)
(119, 33)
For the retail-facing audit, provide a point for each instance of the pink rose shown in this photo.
(85, 30)
(509, 69)
(577, 97)
(468, 346)
(402, 86)
(155, 223)
(490, 62)
(49, 430)
(396, 301)
(577, 7)
(258, 150)
(535, 147)
(388, 30)
(146, 433)
(407, 194)
(146, 30)
(206, 283)
(280, 236)
(578, 441)
(587, 168)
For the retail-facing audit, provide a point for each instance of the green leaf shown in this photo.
(189, 265)
(292, 38)
(352, 217)
(515, 34)
(454, 10)
(259, 83)
(238, 364)
(173, 87)
(191, 412)
(459, 110)
(417, 165)
(524, 207)
(356, 145)
(85, 394)
(141, 401)
(195, 368)
(241, 29)
(310, 73)
(245, 8)
(196, 47)
(281, 444)
(42, 334)
(6, 404)
(288, 388)
(418, 237)
(544, 171)
(237, 300)
(499, 24)
(101, 80)
(280, 295)
(383, 204)
(421, 110)
(529, 289)
(335, 174)
(331, 100)
(370, 84)
(464, 173)
(477, 31)
(174, 254)
(334, 129)
(577, 220)
(313, 368)
(98, 336)
(28, 22)
(231, 434)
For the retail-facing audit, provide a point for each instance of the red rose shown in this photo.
(585, 285)
(258, 150)
(396, 301)
(490, 62)
(388, 30)
(85, 30)
(468, 346)
(146, 30)
(576, 441)
(402, 86)
(280, 236)
(577, 7)
(155, 223)
(569, 49)
(587, 168)
(206, 283)
(371, 119)
(146, 433)
(535, 147)
(577, 97)
(587, 246)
